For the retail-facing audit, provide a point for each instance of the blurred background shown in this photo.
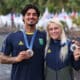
(67, 11)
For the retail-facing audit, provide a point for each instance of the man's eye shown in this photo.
(28, 14)
(34, 14)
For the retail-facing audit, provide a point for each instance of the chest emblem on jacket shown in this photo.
(41, 42)
(49, 51)
(20, 43)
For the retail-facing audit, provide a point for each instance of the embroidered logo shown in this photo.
(49, 50)
(20, 43)
(41, 41)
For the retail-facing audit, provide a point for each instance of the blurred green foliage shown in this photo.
(7, 6)
(76, 21)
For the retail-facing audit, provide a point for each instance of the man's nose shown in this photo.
(31, 15)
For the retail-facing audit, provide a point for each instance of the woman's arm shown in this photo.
(76, 59)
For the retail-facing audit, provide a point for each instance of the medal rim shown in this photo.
(31, 51)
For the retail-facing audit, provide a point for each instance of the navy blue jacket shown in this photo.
(29, 69)
(56, 69)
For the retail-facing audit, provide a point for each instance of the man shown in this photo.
(24, 49)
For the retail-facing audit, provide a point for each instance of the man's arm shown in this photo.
(10, 60)
(7, 59)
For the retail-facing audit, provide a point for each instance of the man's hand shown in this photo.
(23, 55)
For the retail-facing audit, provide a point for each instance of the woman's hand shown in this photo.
(76, 54)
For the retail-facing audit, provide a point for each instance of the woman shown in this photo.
(60, 59)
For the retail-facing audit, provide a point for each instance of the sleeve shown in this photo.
(75, 64)
(7, 46)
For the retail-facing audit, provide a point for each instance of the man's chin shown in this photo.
(31, 25)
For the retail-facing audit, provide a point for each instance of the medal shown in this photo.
(31, 43)
(30, 52)
(73, 47)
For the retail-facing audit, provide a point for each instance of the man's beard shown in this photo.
(31, 24)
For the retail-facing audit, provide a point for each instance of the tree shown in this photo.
(7, 6)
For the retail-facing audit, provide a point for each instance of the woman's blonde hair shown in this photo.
(64, 49)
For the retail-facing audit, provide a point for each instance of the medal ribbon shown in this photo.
(26, 39)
